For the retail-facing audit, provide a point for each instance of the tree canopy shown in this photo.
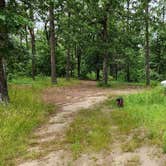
(100, 39)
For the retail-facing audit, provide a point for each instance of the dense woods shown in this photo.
(96, 39)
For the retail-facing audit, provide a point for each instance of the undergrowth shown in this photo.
(149, 110)
(25, 112)
(146, 110)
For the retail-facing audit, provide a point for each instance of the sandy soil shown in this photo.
(70, 100)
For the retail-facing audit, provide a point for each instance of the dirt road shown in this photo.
(46, 149)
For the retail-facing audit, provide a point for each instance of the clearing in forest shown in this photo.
(58, 142)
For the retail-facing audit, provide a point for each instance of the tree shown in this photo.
(52, 43)
(147, 48)
(4, 97)
(68, 59)
(86, 37)
(33, 45)
(105, 41)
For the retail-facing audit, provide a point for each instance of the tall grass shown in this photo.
(148, 110)
(24, 113)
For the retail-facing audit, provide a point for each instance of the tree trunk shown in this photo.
(2, 4)
(128, 32)
(4, 97)
(105, 59)
(97, 74)
(97, 68)
(147, 49)
(26, 38)
(79, 65)
(116, 72)
(105, 69)
(46, 31)
(128, 72)
(33, 44)
(3, 82)
(72, 63)
(78, 55)
(52, 44)
(68, 59)
(68, 64)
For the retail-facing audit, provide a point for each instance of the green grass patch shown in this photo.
(41, 82)
(89, 132)
(141, 121)
(146, 110)
(120, 84)
(25, 112)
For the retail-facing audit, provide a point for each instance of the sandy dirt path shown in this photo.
(45, 145)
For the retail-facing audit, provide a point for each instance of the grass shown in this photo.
(89, 131)
(25, 112)
(41, 82)
(120, 84)
(141, 121)
(145, 110)
(92, 130)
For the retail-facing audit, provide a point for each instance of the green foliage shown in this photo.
(82, 35)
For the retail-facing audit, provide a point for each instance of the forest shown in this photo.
(64, 63)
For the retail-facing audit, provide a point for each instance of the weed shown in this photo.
(25, 112)
(89, 131)
(145, 110)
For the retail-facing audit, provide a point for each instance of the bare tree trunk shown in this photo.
(2, 4)
(79, 65)
(72, 62)
(4, 97)
(97, 74)
(128, 32)
(46, 31)
(128, 72)
(105, 59)
(78, 55)
(68, 59)
(3, 82)
(52, 44)
(116, 72)
(33, 45)
(26, 38)
(68, 64)
(97, 68)
(147, 51)
(105, 69)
